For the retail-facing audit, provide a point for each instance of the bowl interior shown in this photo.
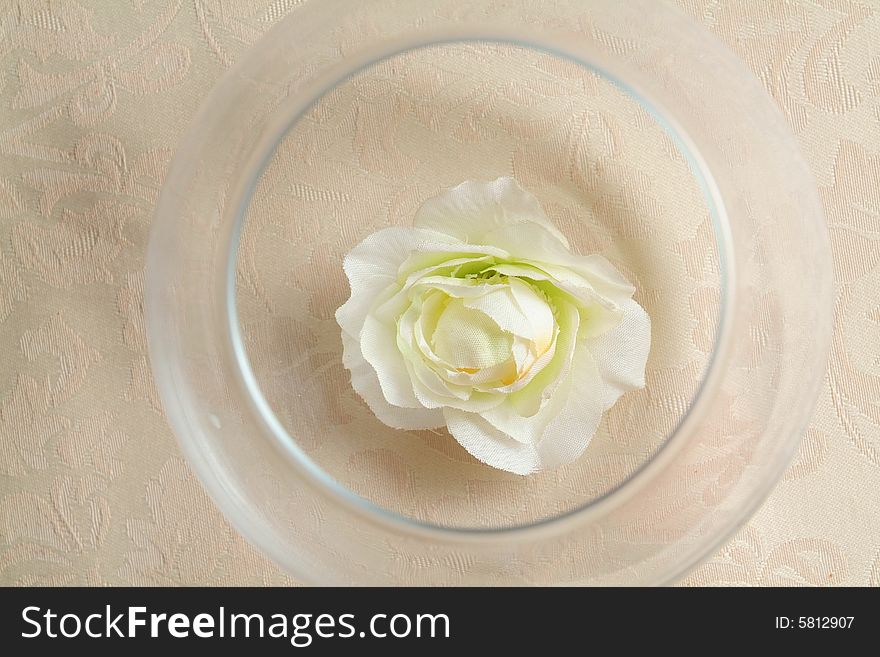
(366, 155)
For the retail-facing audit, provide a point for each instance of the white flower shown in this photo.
(481, 319)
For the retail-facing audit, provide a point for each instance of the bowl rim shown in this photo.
(235, 214)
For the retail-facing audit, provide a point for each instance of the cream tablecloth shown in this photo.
(93, 98)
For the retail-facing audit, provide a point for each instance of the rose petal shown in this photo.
(467, 338)
(598, 313)
(460, 288)
(431, 389)
(602, 274)
(560, 277)
(529, 400)
(446, 268)
(378, 344)
(533, 370)
(477, 401)
(622, 352)
(485, 443)
(518, 309)
(572, 426)
(472, 209)
(365, 383)
(438, 390)
(430, 255)
(558, 434)
(529, 242)
(535, 246)
(583, 374)
(372, 265)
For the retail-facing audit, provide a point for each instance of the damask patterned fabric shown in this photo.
(94, 96)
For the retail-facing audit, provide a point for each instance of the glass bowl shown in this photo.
(644, 140)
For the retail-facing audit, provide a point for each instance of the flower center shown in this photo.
(468, 340)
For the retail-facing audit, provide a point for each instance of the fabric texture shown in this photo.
(94, 97)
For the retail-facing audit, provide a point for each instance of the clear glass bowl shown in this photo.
(643, 138)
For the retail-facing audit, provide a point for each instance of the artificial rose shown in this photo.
(481, 319)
